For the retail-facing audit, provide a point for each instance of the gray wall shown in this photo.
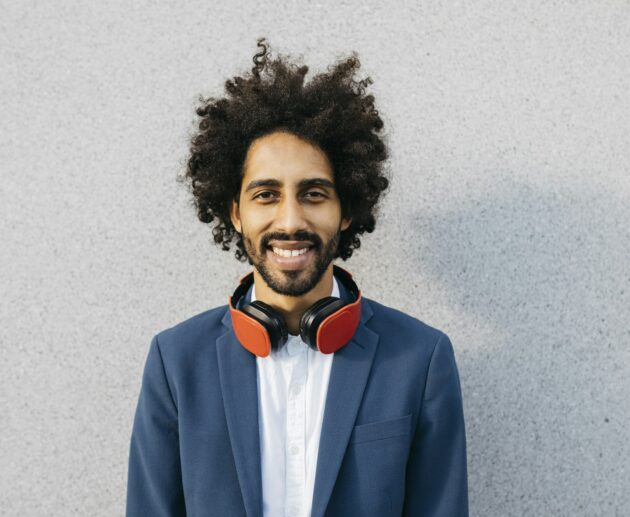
(507, 225)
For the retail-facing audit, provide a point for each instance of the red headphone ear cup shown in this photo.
(337, 329)
(250, 333)
(313, 317)
(271, 321)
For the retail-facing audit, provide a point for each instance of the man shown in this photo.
(300, 397)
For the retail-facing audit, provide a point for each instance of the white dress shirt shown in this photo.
(292, 388)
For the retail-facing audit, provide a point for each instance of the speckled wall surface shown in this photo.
(507, 225)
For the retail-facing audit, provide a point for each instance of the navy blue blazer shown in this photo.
(392, 443)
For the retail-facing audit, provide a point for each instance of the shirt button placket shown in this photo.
(295, 441)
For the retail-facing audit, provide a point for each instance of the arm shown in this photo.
(154, 484)
(436, 480)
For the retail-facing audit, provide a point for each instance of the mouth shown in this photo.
(290, 256)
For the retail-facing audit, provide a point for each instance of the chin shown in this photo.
(290, 282)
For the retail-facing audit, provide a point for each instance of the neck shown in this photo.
(291, 308)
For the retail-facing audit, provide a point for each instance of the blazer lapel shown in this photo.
(348, 377)
(238, 377)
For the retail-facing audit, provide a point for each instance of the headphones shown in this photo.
(325, 326)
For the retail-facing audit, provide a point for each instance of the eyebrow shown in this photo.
(307, 183)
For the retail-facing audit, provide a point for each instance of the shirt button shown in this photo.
(296, 390)
(294, 450)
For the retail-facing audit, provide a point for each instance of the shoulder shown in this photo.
(399, 329)
(197, 332)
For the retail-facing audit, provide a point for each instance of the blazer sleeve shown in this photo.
(154, 483)
(436, 477)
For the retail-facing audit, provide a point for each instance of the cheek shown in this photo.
(332, 219)
(254, 220)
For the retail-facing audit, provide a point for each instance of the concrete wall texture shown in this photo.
(506, 226)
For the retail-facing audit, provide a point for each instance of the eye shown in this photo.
(265, 195)
(315, 194)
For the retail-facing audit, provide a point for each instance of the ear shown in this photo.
(235, 216)
(345, 223)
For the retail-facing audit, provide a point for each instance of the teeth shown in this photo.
(289, 253)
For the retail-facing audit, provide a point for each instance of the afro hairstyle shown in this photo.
(332, 112)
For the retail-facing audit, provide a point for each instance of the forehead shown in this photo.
(282, 154)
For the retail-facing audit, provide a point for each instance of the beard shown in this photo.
(293, 283)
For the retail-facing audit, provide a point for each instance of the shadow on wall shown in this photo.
(546, 390)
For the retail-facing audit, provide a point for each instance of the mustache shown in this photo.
(302, 235)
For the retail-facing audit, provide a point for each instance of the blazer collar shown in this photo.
(348, 377)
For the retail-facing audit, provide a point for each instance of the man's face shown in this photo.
(288, 214)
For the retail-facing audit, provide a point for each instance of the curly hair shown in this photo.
(331, 112)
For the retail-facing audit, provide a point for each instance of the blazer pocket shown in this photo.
(381, 430)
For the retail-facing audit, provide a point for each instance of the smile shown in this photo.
(289, 253)
(291, 259)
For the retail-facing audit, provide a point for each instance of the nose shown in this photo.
(290, 216)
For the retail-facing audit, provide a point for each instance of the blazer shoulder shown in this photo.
(197, 331)
(408, 328)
